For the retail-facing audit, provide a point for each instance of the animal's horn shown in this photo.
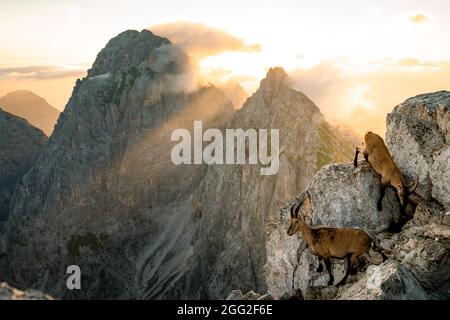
(292, 210)
(297, 209)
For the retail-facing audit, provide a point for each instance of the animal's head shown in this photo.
(296, 221)
(372, 139)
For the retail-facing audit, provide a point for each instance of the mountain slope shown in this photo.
(237, 203)
(30, 106)
(19, 144)
(104, 193)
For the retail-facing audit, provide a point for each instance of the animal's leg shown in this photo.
(353, 264)
(366, 157)
(320, 267)
(401, 198)
(347, 273)
(328, 266)
(355, 160)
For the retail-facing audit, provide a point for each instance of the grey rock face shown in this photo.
(251, 295)
(104, 193)
(387, 281)
(418, 136)
(19, 144)
(235, 295)
(440, 177)
(127, 50)
(423, 246)
(356, 207)
(9, 293)
(320, 293)
(339, 195)
(233, 242)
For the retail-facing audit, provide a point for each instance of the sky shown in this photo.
(356, 59)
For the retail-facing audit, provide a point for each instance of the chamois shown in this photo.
(327, 243)
(377, 154)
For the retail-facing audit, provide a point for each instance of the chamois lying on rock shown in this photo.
(327, 243)
(377, 154)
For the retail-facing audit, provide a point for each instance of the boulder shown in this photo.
(9, 293)
(440, 177)
(387, 281)
(418, 136)
(423, 246)
(251, 295)
(320, 293)
(339, 195)
(235, 295)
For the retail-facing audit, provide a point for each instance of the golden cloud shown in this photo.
(416, 17)
(41, 72)
(419, 17)
(335, 89)
(201, 41)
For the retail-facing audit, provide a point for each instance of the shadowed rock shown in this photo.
(19, 144)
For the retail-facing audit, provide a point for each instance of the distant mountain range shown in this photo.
(35, 109)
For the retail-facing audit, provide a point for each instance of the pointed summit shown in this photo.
(128, 49)
(276, 78)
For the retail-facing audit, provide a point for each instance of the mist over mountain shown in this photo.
(32, 107)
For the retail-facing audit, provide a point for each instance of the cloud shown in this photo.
(409, 62)
(416, 17)
(419, 18)
(201, 41)
(41, 72)
(361, 99)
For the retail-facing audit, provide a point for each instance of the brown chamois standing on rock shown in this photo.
(327, 243)
(378, 156)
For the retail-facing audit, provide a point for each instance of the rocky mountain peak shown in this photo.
(129, 48)
(275, 79)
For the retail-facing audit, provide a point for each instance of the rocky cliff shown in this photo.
(419, 129)
(339, 195)
(104, 193)
(19, 144)
(232, 246)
